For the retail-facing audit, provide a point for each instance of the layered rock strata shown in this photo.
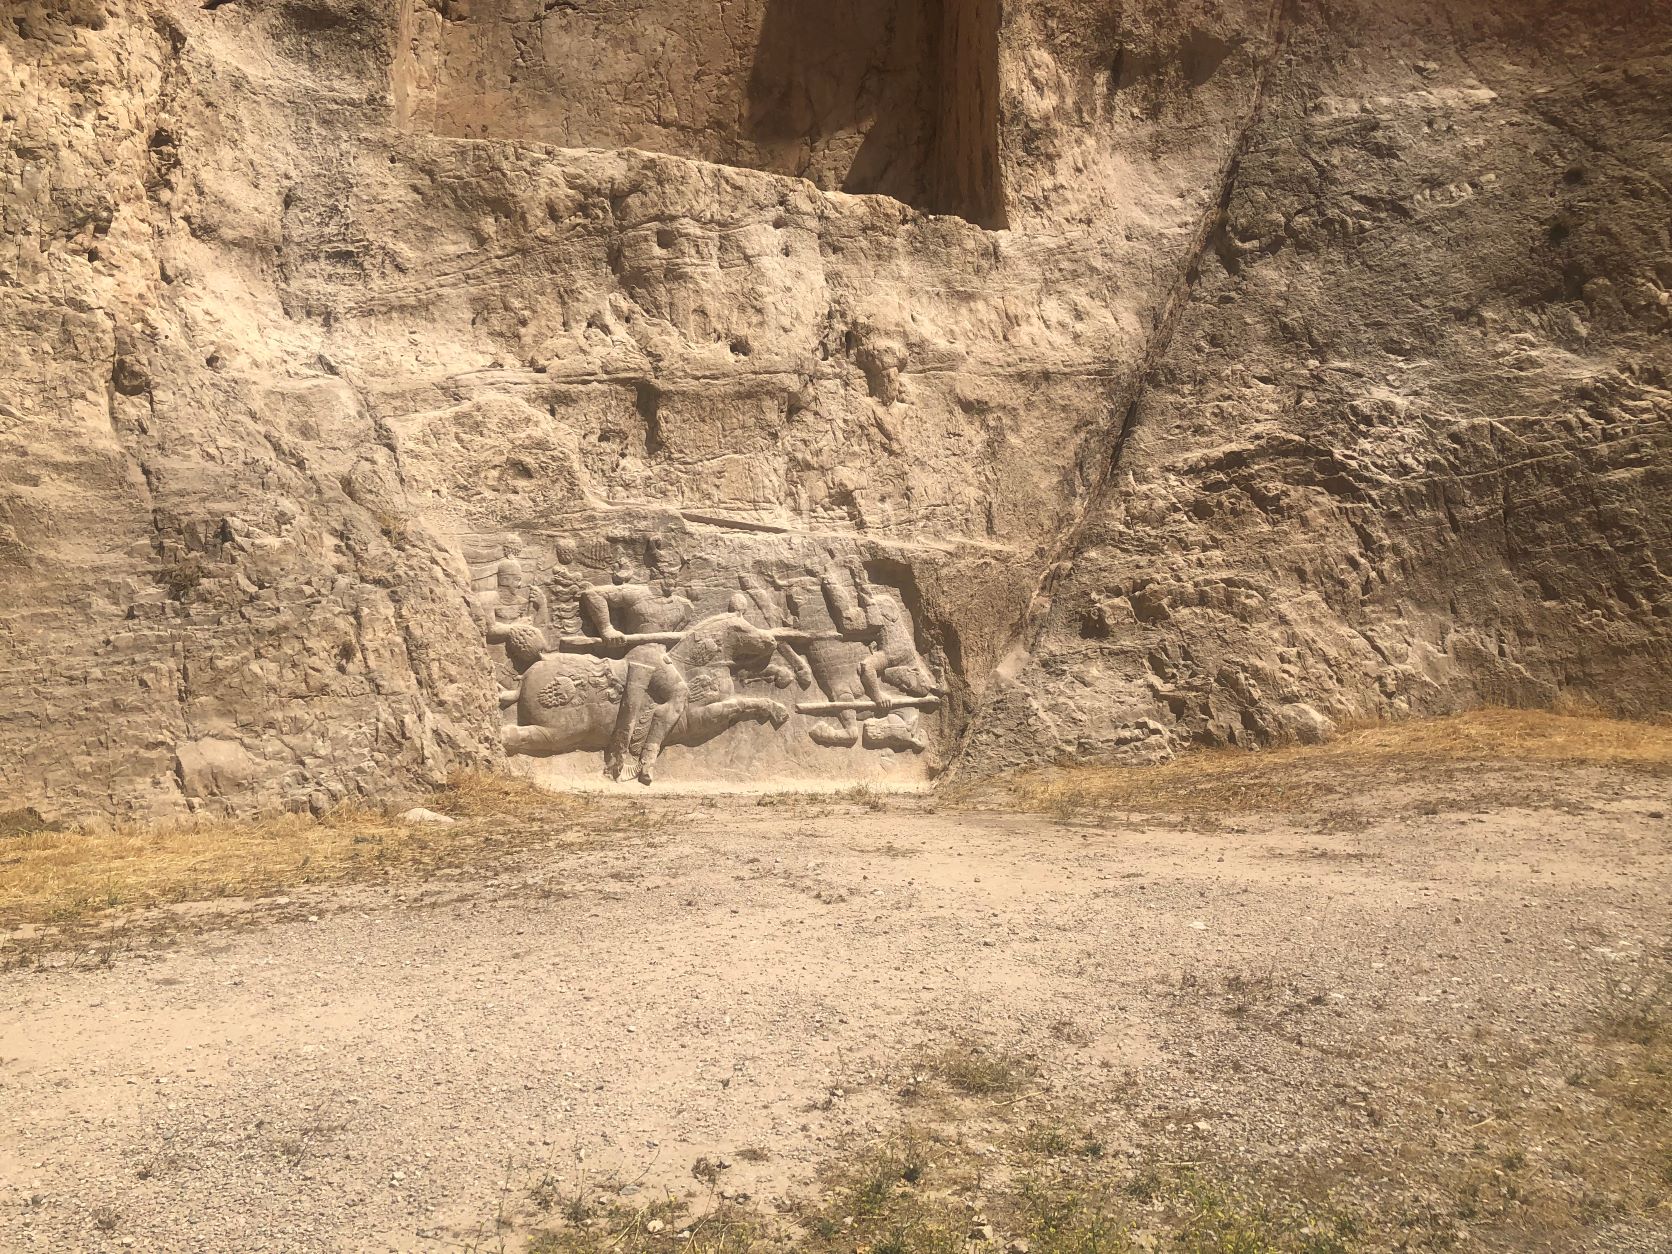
(966, 388)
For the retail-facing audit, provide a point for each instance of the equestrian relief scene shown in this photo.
(628, 659)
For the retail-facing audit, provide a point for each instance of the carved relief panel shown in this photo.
(707, 654)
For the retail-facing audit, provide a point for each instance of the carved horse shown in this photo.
(567, 702)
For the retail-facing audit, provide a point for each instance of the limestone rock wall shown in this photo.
(1405, 444)
(1318, 374)
(898, 97)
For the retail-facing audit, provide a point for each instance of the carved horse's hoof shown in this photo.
(834, 735)
(779, 714)
(644, 776)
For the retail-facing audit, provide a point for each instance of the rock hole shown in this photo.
(647, 399)
(1201, 55)
(313, 17)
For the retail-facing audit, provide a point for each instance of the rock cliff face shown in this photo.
(925, 386)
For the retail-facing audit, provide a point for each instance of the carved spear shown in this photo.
(589, 644)
(840, 707)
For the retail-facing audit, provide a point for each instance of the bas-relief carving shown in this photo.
(668, 650)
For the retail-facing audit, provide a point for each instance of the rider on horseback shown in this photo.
(633, 609)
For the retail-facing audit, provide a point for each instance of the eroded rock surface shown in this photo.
(1188, 372)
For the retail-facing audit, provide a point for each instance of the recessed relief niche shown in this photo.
(897, 97)
(707, 656)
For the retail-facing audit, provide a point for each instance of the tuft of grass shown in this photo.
(65, 877)
(862, 795)
(1077, 1217)
(890, 1197)
(706, 1170)
(1052, 1189)
(1213, 782)
(1069, 1032)
(976, 1071)
(181, 576)
(1216, 1217)
(546, 1193)
(484, 794)
(1047, 1141)
(1533, 1170)
(1505, 1169)
(394, 527)
(1248, 989)
(950, 1204)
(1640, 1015)
(660, 1228)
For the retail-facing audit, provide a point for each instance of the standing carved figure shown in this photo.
(510, 597)
(561, 591)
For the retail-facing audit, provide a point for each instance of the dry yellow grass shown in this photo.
(51, 876)
(67, 876)
(1297, 777)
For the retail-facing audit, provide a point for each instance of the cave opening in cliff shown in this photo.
(891, 97)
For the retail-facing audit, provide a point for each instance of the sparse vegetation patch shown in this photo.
(1209, 784)
(58, 876)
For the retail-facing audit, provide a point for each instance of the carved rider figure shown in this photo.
(827, 608)
(894, 658)
(699, 671)
(762, 606)
(525, 644)
(625, 609)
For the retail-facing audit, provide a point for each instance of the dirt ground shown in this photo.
(1433, 1008)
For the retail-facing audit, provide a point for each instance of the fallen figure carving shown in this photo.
(567, 702)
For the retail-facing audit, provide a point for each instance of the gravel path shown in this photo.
(393, 1071)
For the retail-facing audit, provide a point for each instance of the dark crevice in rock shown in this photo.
(1160, 342)
(647, 400)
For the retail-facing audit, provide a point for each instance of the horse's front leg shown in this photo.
(667, 712)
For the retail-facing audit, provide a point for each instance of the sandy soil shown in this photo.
(1349, 996)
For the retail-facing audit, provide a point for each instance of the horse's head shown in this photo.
(525, 644)
(747, 647)
(729, 640)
